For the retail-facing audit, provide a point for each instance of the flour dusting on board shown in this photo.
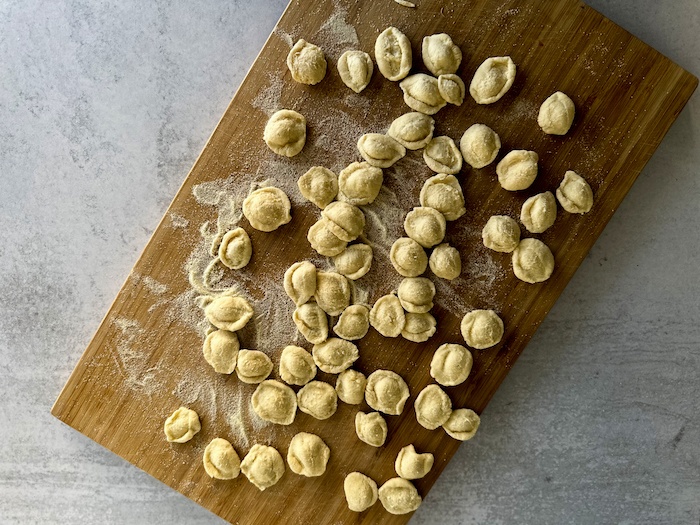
(336, 34)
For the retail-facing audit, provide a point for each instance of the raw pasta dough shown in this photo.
(574, 193)
(408, 257)
(440, 54)
(556, 114)
(412, 465)
(355, 69)
(311, 322)
(275, 402)
(371, 428)
(359, 183)
(426, 226)
(416, 294)
(480, 145)
(482, 329)
(462, 424)
(353, 323)
(533, 261)
(297, 367)
(229, 313)
(452, 89)
(360, 491)
(319, 185)
(451, 364)
(332, 292)
(443, 193)
(182, 425)
(501, 234)
(220, 349)
(517, 170)
(253, 366)
(445, 261)
(442, 155)
(539, 212)
(355, 261)
(399, 496)
(387, 316)
(285, 132)
(267, 209)
(412, 130)
(419, 327)
(235, 249)
(335, 355)
(345, 221)
(263, 466)
(318, 399)
(308, 455)
(421, 93)
(392, 51)
(350, 386)
(492, 80)
(306, 63)
(386, 392)
(300, 282)
(220, 460)
(323, 240)
(380, 150)
(433, 407)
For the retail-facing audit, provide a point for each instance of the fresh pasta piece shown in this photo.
(253, 366)
(360, 491)
(220, 350)
(229, 313)
(482, 329)
(452, 89)
(392, 51)
(574, 193)
(443, 156)
(399, 496)
(440, 54)
(355, 69)
(412, 130)
(263, 466)
(318, 185)
(421, 93)
(297, 367)
(479, 145)
(267, 209)
(350, 386)
(501, 234)
(345, 221)
(285, 132)
(433, 407)
(318, 399)
(445, 261)
(451, 364)
(359, 183)
(311, 321)
(443, 193)
(332, 292)
(355, 261)
(323, 240)
(410, 464)
(275, 402)
(306, 63)
(335, 355)
(416, 294)
(308, 455)
(353, 323)
(371, 428)
(517, 170)
(493, 78)
(425, 225)
(300, 282)
(462, 424)
(381, 151)
(386, 392)
(387, 316)
(408, 257)
(235, 249)
(220, 460)
(556, 114)
(419, 327)
(533, 261)
(539, 212)
(182, 425)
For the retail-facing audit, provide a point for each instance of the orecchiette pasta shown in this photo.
(355, 69)
(306, 63)
(235, 249)
(387, 316)
(332, 292)
(425, 225)
(359, 183)
(492, 80)
(440, 54)
(319, 185)
(267, 209)
(443, 193)
(311, 322)
(285, 132)
(421, 93)
(408, 257)
(345, 221)
(392, 51)
(355, 261)
(380, 150)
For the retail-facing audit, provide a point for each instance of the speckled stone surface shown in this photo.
(103, 108)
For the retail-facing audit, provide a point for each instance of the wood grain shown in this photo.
(627, 96)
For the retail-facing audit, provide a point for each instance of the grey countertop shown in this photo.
(103, 108)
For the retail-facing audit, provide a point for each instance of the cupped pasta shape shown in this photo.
(346, 221)
(493, 78)
(306, 63)
(443, 156)
(235, 249)
(360, 183)
(482, 329)
(355, 261)
(392, 51)
(311, 321)
(421, 93)
(445, 261)
(440, 54)
(335, 355)
(533, 261)
(263, 466)
(408, 257)
(355, 69)
(274, 402)
(425, 225)
(229, 312)
(381, 151)
(387, 316)
(285, 132)
(318, 185)
(386, 392)
(479, 145)
(574, 193)
(412, 130)
(253, 366)
(267, 209)
(353, 323)
(443, 193)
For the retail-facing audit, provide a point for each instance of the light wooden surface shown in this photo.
(627, 96)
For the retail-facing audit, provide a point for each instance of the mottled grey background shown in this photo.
(103, 108)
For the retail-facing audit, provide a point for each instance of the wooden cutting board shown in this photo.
(145, 359)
